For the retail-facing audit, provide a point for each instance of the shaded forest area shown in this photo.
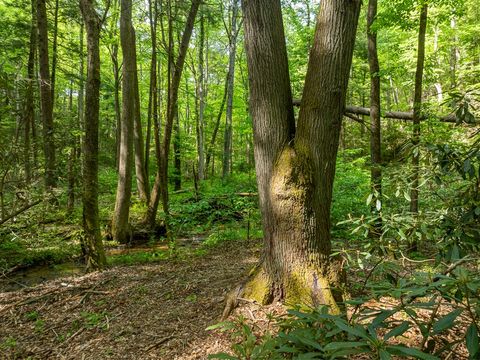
(241, 179)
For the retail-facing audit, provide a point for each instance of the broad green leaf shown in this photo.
(340, 345)
(385, 314)
(399, 330)
(446, 322)
(385, 355)
(473, 345)
(417, 354)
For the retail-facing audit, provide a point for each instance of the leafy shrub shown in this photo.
(447, 297)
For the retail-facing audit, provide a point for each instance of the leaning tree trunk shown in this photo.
(228, 136)
(375, 136)
(296, 167)
(95, 255)
(120, 221)
(46, 96)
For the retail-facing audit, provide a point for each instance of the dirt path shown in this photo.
(155, 311)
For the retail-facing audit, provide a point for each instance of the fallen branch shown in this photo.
(397, 115)
(18, 212)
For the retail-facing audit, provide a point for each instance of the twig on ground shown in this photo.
(160, 342)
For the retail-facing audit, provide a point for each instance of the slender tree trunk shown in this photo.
(142, 181)
(29, 98)
(375, 136)
(116, 95)
(71, 158)
(95, 255)
(296, 167)
(54, 51)
(46, 97)
(417, 108)
(81, 94)
(152, 99)
(201, 100)
(227, 147)
(213, 140)
(120, 221)
(177, 152)
(160, 189)
(417, 116)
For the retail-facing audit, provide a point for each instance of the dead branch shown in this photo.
(18, 212)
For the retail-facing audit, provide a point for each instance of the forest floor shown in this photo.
(156, 310)
(153, 311)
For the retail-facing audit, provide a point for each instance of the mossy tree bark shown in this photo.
(296, 164)
(93, 246)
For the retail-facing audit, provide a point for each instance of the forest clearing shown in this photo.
(240, 179)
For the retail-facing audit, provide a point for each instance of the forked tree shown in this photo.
(295, 161)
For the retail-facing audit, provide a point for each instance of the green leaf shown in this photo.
(446, 322)
(399, 330)
(385, 314)
(407, 196)
(355, 331)
(417, 354)
(341, 345)
(473, 345)
(384, 355)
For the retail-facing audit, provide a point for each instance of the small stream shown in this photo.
(39, 274)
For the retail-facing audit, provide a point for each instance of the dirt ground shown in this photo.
(154, 311)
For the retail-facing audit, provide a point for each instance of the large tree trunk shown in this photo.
(46, 96)
(375, 133)
(95, 255)
(296, 167)
(120, 221)
(227, 147)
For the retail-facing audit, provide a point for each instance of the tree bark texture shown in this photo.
(375, 124)
(152, 99)
(95, 255)
(54, 51)
(120, 221)
(296, 166)
(29, 97)
(46, 96)
(228, 135)
(417, 109)
(140, 172)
